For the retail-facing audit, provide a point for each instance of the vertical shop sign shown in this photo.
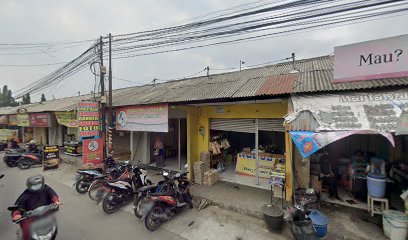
(93, 152)
(51, 157)
(88, 119)
(40, 120)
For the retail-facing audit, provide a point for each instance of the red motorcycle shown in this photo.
(28, 160)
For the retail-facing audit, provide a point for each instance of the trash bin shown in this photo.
(273, 217)
(320, 222)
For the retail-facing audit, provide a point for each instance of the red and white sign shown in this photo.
(88, 118)
(152, 118)
(40, 120)
(92, 151)
(377, 59)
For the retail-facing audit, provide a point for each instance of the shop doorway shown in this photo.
(234, 144)
(350, 160)
(174, 143)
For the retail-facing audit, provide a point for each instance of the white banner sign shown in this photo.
(143, 118)
(378, 111)
(382, 58)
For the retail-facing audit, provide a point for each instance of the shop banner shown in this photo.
(378, 111)
(23, 120)
(382, 58)
(269, 166)
(40, 120)
(93, 152)
(402, 126)
(51, 158)
(308, 142)
(88, 119)
(73, 149)
(143, 118)
(8, 134)
(68, 119)
(12, 120)
(3, 119)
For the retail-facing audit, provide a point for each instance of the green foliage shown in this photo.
(6, 99)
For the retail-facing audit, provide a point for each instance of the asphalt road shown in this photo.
(79, 217)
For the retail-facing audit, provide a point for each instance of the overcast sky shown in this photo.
(50, 20)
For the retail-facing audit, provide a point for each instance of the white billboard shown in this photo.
(382, 58)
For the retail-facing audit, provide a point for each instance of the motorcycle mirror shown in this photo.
(13, 208)
(1, 176)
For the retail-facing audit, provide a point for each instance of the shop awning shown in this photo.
(309, 142)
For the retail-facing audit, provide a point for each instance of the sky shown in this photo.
(50, 20)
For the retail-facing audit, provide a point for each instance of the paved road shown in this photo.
(79, 217)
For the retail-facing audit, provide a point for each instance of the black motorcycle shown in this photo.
(301, 225)
(161, 206)
(143, 192)
(12, 155)
(122, 191)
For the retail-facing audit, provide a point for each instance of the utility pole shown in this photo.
(208, 70)
(102, 72)
(110, 112)
(240, 64)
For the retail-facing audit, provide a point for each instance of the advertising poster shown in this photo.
(40, 120)
(3, 119)
(271, 166)
(143, 118)
(8, 134)
(73, 150)
(92, 152)
(23, 120)
(51, 157)
(88, 119)
(12, 120)
(68, 119)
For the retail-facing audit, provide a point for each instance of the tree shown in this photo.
(43, 98)
(6, 98)
(26, 99)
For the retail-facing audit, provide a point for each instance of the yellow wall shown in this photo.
(200, 116)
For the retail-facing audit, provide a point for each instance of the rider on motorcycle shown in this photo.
(36, 195)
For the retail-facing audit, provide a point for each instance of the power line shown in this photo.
(32, 65)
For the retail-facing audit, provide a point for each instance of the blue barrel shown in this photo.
(376, 185)
(320, 222)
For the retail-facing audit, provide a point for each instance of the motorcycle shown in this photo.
(122, 191)
(28, 160)
(142, 194)
(12, 155)
(44, 226)
(301, 225)
(161, 206)
(85, 177)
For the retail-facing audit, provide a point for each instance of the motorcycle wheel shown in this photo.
(23, 164)
(9, 163)
(151, 221)
(96, 191)
(82, 186)
(148, 182)
(138, 207)
(109, 206)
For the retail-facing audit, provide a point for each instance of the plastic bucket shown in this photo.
(273, 217)
(320, 222)
(395, 225)
(376, 185)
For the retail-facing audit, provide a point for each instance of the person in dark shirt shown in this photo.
(327, 175)
(36, 195)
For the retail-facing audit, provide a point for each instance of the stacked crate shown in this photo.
(199, 169)
(210, 177)
(205, 157)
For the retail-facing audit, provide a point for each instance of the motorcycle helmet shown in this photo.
(33, 142)
(35, 183)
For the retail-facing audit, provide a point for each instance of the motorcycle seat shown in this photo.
(166, 193)
(147, 188)
(123, 180)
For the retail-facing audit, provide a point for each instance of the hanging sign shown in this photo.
(88, 119)
(23, 120)
(308, 142)
(93, 152)
(40, 120)
(3, 119)
(353, 111)
(12, 120)
(382, 58)
(51, 157)
(68, 119)
(152, 118)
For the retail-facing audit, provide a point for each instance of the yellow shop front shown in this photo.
(246, 141)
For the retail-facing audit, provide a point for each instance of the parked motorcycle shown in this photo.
(12, 155)
(85, 177)
(122, 191)
(301, 225)
(28, 160)
(161, 206)
(142, 193)
(44, 225)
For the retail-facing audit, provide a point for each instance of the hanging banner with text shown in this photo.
(88, 119)
(7, 134)
(93, 152)
(12, 120)
(3, 119)
(308, 142)
(382, 58)
(68, 119)
(51, 157)
(353, 111)
(40, 120)
(152, 118)
(23, 120)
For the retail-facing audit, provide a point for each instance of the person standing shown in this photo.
(328, 177)
(159, 152)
